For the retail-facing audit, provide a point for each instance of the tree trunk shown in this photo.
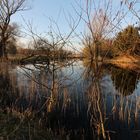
(3, 50)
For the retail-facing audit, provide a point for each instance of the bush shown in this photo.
(127, 42)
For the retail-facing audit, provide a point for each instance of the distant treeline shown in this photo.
(61, 53)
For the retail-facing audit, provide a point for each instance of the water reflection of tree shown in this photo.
(92, 69)
(125, 81)
(7, 88)
(63, 105)
(93, 74)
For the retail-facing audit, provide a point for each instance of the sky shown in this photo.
(41, 11)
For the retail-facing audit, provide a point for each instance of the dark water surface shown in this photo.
(75, 98)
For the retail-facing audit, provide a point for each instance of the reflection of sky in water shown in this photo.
(137, 90)
(71, 76)
(29, 76)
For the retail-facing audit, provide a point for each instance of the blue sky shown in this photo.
(42, 10)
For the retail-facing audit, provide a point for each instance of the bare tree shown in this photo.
(7, 9)
(133, 7)
(102, 21)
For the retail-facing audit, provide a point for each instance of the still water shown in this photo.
(76, 98)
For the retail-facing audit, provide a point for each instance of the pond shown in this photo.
(69, 100)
